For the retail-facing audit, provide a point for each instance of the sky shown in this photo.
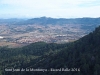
(49, 8)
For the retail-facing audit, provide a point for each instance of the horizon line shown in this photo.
(47, 17)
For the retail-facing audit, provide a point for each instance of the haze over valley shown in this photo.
(20, 32)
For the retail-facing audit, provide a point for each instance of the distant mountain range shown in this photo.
(62, 21)
(84, 22)
(45, 20)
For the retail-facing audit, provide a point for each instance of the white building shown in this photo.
(1, 37)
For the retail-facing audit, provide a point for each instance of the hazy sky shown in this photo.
(49, 8)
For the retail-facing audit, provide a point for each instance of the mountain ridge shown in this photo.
(47, 20)
(62, 21)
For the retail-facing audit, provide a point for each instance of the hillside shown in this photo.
(17, 57)
(83, 55)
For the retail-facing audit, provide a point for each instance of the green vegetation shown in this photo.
(83, 54)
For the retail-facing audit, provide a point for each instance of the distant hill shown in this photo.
(61, 21)
(48, 20)
(83, 54)
(85, 23)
